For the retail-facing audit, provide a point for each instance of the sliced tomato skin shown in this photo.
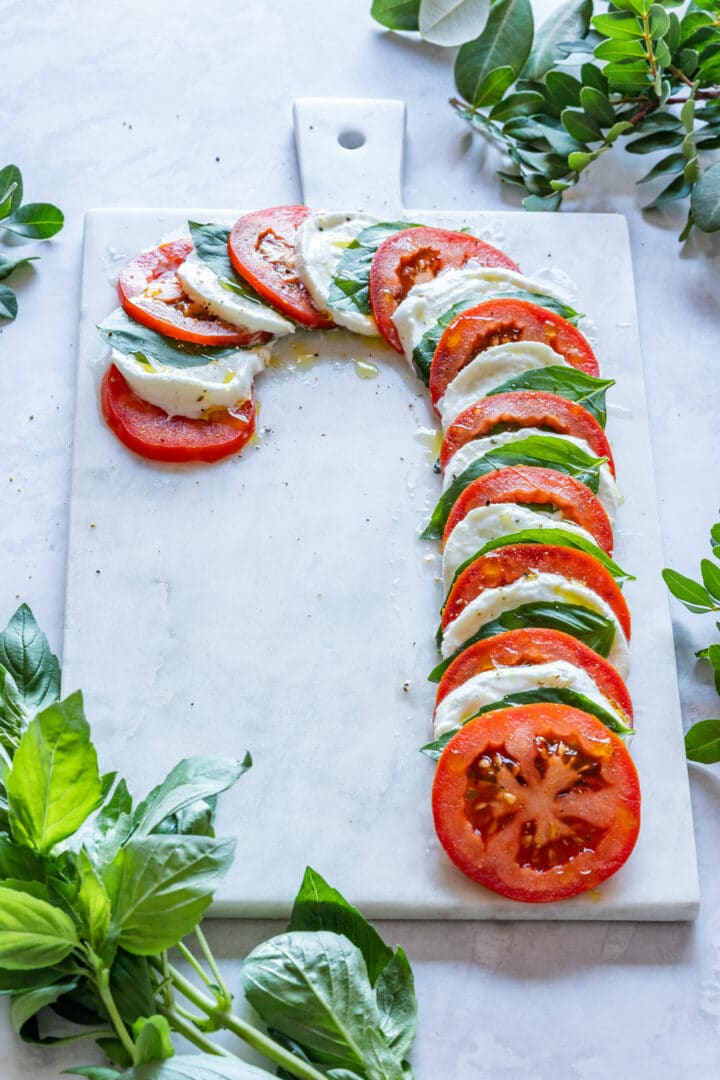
(493, 323)
(525, 408)
(150, 432)
(507, 564)
(529, 484)
(494, 862)
(432, 250)
(536, 646)
(175, 315)
(275, 279)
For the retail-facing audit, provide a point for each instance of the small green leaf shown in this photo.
(659, 21)
(93, 903)
(395, 994)
(493, 87)
(350, 288)
(687, 114)
(192, 780)
(673, 163)
(711, 577)
(153, 1040)
(617, 130)
(627, 78)
(397, 14)
(25, 1007)
(702, 742)
(578, 124)
(9, 263)
(579, 160)
(705, 199)
(36, 221)
(597, 106)
(33, 933)
(8, 303)
(563, 88)
(569, 383)
(568, 21)
(657, 140)
(127, 336)
(592, 76)
(452, 22)
(619, 25)
(678, 188)
(523, 103)
(712, 654)
(690, 593)
(505, 42)
(623, 49)
(715, 533)
(11, 190)
(542, 203)
(26, 655)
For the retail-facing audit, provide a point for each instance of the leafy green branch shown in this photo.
(702, 741)
(101, 899)
(557, 99)
(32, 221)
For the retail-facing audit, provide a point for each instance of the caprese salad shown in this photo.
(535, 794)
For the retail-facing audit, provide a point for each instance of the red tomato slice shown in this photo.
(525, 408)
(151, 293)
(536, 646)
(496, 322)
(538, 802)
(262, 250)
(508, 564)
(150, 432)
(414, 255)
(528, 484)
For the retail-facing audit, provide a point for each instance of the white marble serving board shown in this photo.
(283, 602)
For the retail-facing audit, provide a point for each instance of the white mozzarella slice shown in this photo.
(203, 285)
(477, 448)
(533, 588)
(491, 368)
(427, 302)
(190, 391)
(489, 686)
(485, 523)
(320, 243)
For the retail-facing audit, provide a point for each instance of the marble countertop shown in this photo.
(150, 105)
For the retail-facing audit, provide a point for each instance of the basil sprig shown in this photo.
(211, 245)
(559, 537)
(33, 221)
(545, 451)
(95, 888)
(425, 349)
(593, 629)
(350, 287)
(566, 382)
(561, 696)
(134, 339)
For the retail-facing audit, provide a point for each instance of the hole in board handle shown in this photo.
(351, 139)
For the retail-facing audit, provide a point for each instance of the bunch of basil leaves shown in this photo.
(594, 76)
(33, 221)
(96, 889)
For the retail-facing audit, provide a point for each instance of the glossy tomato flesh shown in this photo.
(527, 484)
(150, 432)
(537, 645)
(151, 293)
(412, 256)
(538, 802)
(519, 409)
(497, 322)
(262, 250)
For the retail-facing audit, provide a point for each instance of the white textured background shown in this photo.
(132, 104)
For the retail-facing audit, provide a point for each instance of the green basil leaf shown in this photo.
(33, 933)
(561, 696)
(397, 14)
(451, 22)
(559, 537)
(211, 245)
(153, 1039)
(18, 982)
(54, 783)
(396, 1001)
(689, 592)
(24, 1008)
(702, 742)
(505, 42)
(8, 303)
(545, 451)
(9, 263)
(113, 825)
(131, 338)
(192, 780)
(93, 903)
(314, 988)
(159, 887)
(182, 1067)
(37, 221)
(593, 629)
(350, 288)
(567, 22)
(131, 986)
(569, 383)
(320, 907)
(25, 654)
(11, 190)
(20, 862)
(705, 199)
(425, 349)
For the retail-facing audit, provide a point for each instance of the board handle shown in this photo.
(350, 153)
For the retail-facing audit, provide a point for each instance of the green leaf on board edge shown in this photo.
(702, 742)
(505, 42)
